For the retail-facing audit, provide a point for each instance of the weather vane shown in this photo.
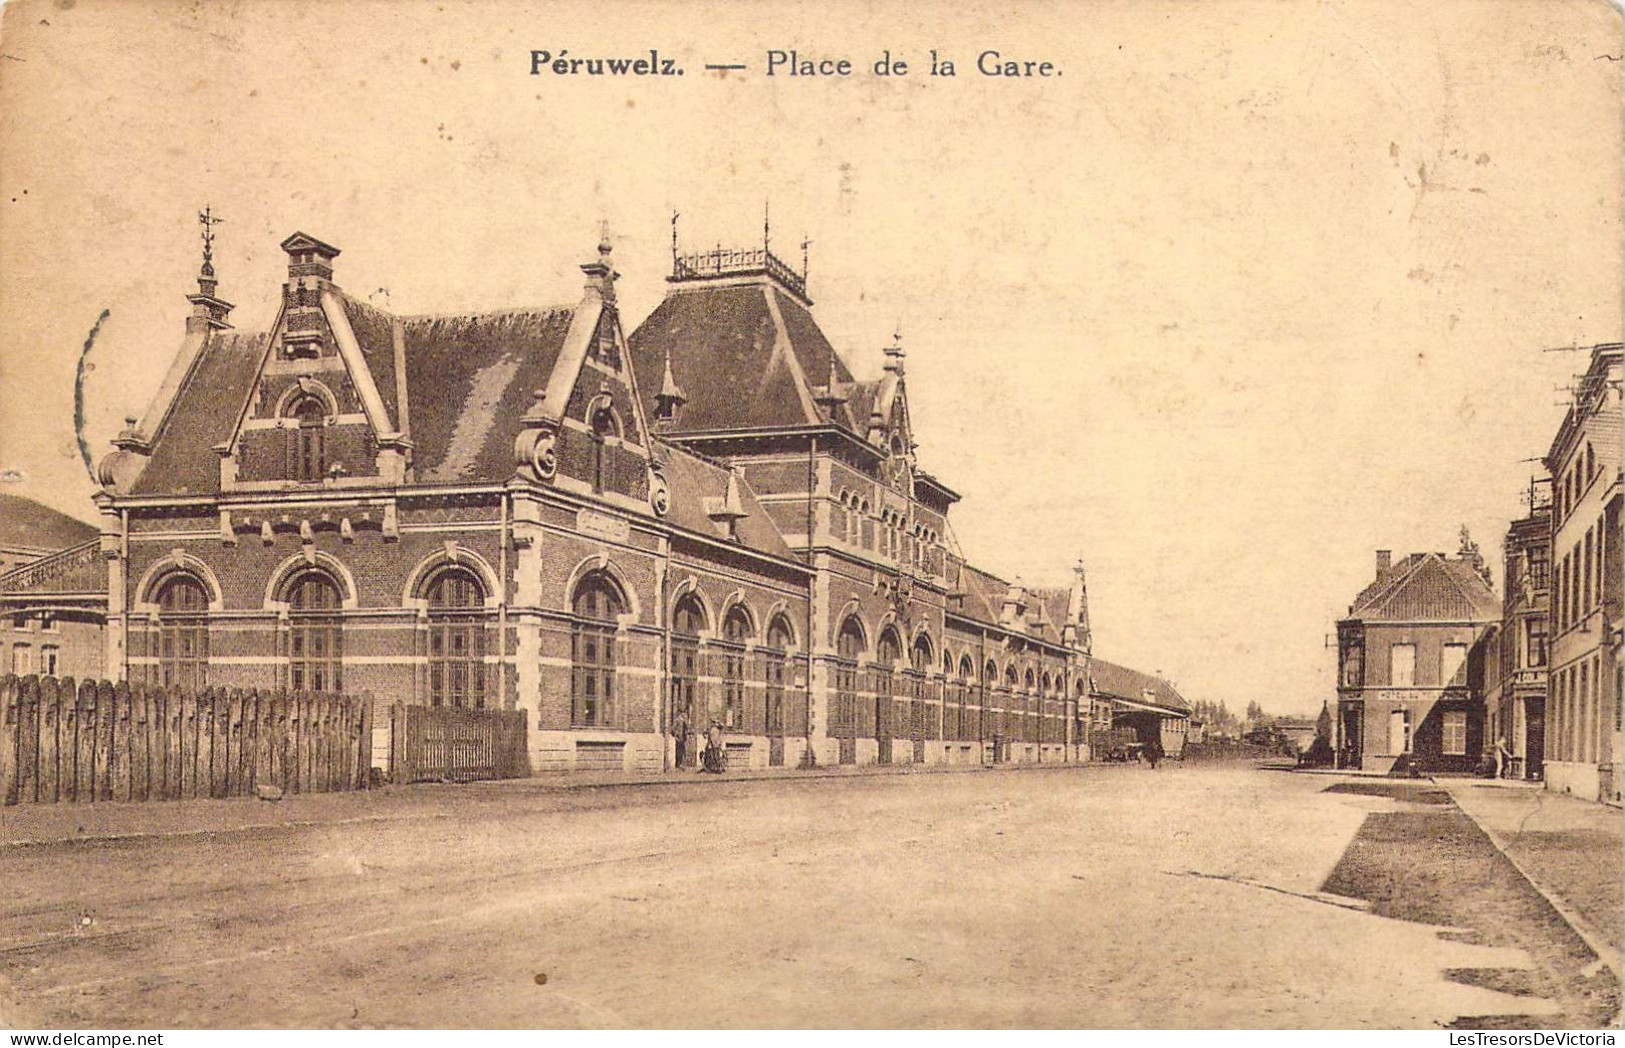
(208, 221)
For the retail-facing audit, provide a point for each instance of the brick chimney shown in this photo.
(310, 272)
(1385, 561)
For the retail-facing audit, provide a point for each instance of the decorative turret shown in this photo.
(726, 512)
(1076, 630)
(895, 354)
(833, 393)
(310, 272)
(671, 397)
(1014, 608)
(208, 309)
(601, 274)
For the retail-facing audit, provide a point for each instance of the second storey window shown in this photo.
(1452, 660)
(307, 442)
(1535, 651)
(1402, 665)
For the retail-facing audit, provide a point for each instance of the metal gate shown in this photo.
(435, 743)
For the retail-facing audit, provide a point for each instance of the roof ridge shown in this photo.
(470, 314)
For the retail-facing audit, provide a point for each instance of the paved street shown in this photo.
(1189, 896)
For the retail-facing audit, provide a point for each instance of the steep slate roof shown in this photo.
(728, 355)
(29, 525)
(373, 331)
(469, 379)
(205, 414)
(1112, 681)
(1054, 601)
(1427, 586)
(984, 602)
(693, 480)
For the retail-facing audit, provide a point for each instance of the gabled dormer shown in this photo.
(586, 431)
(317, 412)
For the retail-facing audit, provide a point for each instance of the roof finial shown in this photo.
(894, 352)
(805, 243)
(767, 227)
(601, 273)
(831, 396)
(208, 221)
(674, 217)
(208, 310)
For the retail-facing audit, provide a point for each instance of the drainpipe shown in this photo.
(663, 678)
(809, 757)
(502, 606)
(124, 612)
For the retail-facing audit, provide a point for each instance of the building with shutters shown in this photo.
(1582, 737)
(628, 536)
(1411, 664)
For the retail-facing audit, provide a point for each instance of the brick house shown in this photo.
(1516, 687)
(708, 520)
(1411, 665)
(53, 592)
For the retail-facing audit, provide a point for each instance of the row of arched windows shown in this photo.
(313, 643)
(738, 632)
(1028, 707)
(896, 537)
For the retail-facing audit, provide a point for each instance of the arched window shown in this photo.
(967, 674)
(687, 620)
(1591, 463)
(735, 632)
(315, 633)
(849, 648)
(888, 652)
(307, 441)
(604, 425)
(773, 662)
(597, 605)
(921, 690)
(456, 639)
(183, 633)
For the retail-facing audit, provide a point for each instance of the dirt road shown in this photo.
(1094, 897)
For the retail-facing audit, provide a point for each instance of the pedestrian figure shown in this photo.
(679, 730)
(715, 761)
(1153, 753)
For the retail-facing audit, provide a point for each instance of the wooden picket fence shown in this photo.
(100, 741)
(435, 743)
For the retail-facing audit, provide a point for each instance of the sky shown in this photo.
(1245, 292)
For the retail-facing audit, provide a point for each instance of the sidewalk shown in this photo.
(35, 824)
(1570, 850)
